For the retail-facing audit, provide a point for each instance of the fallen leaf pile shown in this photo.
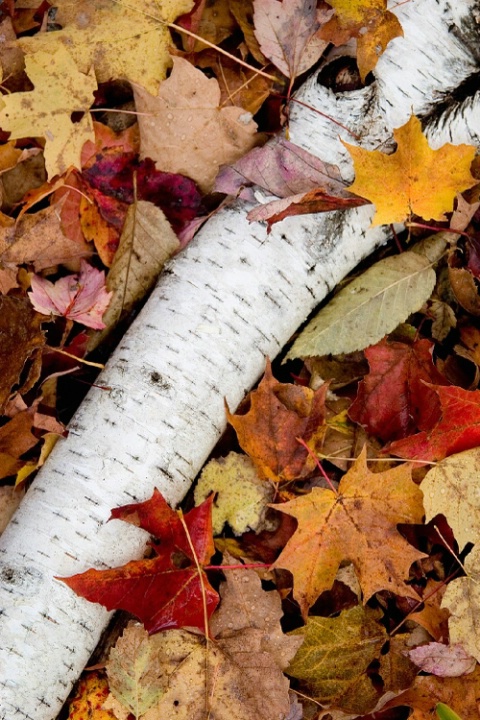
(327, 564)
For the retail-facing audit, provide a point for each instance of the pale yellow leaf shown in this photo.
(369, 307)
(241, 499)
(451, 488)
(121, 39)
(59, 90)
(135, 672)
(462, 599)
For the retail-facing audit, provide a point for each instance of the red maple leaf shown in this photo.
(457, 429)
(164, 591)
(394, 399)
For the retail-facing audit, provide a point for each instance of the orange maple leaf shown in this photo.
(414, 179)
(279, 413)
(367, 20)
(357, 524)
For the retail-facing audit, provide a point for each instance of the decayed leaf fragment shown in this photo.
(185, 131)
(359, 524)
(369, 307)
(460, 694)
(105, 35)
(279, 413)
(60, 90)
(415, 179)
(367, 20)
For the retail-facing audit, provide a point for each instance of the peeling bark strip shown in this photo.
(234, 296)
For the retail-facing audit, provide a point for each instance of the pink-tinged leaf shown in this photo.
(283, 169)
(81, 297)
(394, 399)
(458, 428)
(314, 201)
(288, 33)
(164, 591)
(443, 660)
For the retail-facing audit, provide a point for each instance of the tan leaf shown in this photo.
(146, 243)
(135, 672)
(185, 131)
(245, 604)
(37, 238)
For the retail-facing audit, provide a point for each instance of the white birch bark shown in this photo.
(233, 297)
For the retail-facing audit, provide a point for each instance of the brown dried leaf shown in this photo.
(21, 342)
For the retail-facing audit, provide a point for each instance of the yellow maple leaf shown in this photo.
(413, 180)
(121, 39)
(358, 524)
(59, 90)
(367, 20)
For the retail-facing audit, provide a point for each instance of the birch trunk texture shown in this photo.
(233, 297)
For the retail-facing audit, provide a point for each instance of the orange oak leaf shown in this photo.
(279, 413)
(457, 429)
(415, 178)
(357, 524)
(165, 591)
(367, 20)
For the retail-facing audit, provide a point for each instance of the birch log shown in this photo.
(233, 297)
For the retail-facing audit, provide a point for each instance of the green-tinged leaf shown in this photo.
(446, 713)
(241, 497)
(335, 655)
(369, 307)
(135, 672)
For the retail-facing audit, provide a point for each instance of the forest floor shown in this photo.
(324, 564)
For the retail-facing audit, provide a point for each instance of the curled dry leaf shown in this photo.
(81, 297)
